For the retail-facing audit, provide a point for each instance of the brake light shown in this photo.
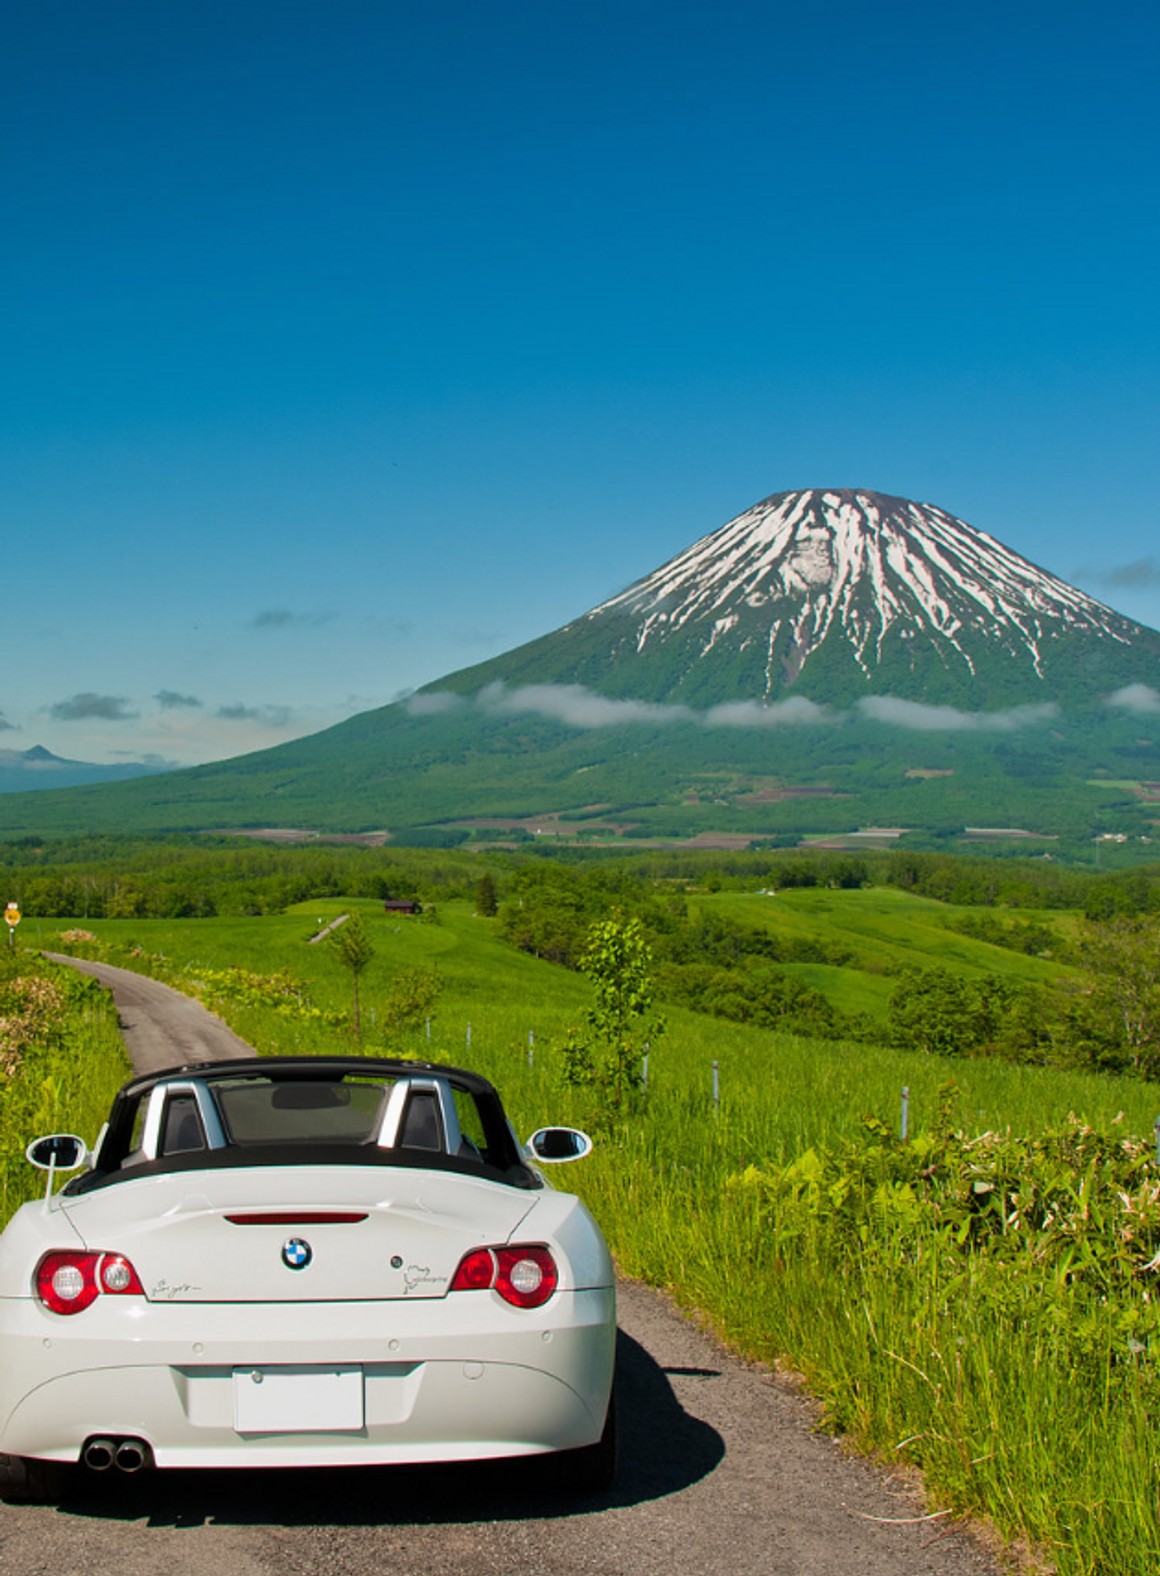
(525, 1276)
(71, 1282)
(298, 1217)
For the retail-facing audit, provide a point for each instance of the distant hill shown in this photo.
(24, 771)
(829, 661)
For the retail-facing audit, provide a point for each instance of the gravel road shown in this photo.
(721, 1472)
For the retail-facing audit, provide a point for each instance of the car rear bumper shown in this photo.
(459, 1378)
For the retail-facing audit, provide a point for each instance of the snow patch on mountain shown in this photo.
(859, 567)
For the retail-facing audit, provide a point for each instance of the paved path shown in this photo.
(162, 1028)
(721, 1472)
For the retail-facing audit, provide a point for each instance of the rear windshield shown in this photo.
(284, 1113)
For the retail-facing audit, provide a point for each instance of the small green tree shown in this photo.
(606, 1057)
(486, 898)
(354, 951)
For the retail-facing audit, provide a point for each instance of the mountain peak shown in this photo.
(835, 594)
(856, 588)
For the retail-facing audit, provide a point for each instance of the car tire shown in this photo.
(24, 1481)
(591, 1469)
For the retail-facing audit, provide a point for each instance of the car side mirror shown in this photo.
(555, 1146)
(57, 1152)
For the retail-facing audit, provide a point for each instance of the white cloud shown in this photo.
(265, 716)
(432, 704)
(90, 707)
(287, 618)
(1139, 698)
(914, 715)
(578, 707)
(796, 711)
(1130, 576)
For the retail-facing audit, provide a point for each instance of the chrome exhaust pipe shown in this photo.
(99, 1454)
(131, 1455)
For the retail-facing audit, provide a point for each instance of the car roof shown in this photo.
(279, 1068)
(118, 1157)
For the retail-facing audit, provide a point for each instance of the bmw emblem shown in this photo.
(296, 1254)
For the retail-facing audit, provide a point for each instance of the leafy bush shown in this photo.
(762, 994)
(949, 1014)
(1117, 1022)
(1082, 1205)
(411, 997)
(1030, 938)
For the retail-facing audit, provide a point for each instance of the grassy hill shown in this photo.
(887, 931)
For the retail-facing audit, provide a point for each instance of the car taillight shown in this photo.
(71, 1282)
(524, 1276)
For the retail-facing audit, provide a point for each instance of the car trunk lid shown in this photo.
(305, 1234)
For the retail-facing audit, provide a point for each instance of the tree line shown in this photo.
(140, 878)
(189, 877)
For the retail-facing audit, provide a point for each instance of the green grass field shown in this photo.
(787, 1092)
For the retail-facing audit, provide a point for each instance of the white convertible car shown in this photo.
(305, 1262)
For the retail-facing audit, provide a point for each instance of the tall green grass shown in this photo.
(63, 1080)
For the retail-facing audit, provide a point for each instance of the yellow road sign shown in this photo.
(12, 914)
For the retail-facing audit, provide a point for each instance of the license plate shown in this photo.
(297, 1400)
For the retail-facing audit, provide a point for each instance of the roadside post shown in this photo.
(12, 915)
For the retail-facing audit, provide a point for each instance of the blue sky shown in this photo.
(346, 346)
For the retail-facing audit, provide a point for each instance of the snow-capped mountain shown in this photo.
(833, 594)
(1042, 706)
